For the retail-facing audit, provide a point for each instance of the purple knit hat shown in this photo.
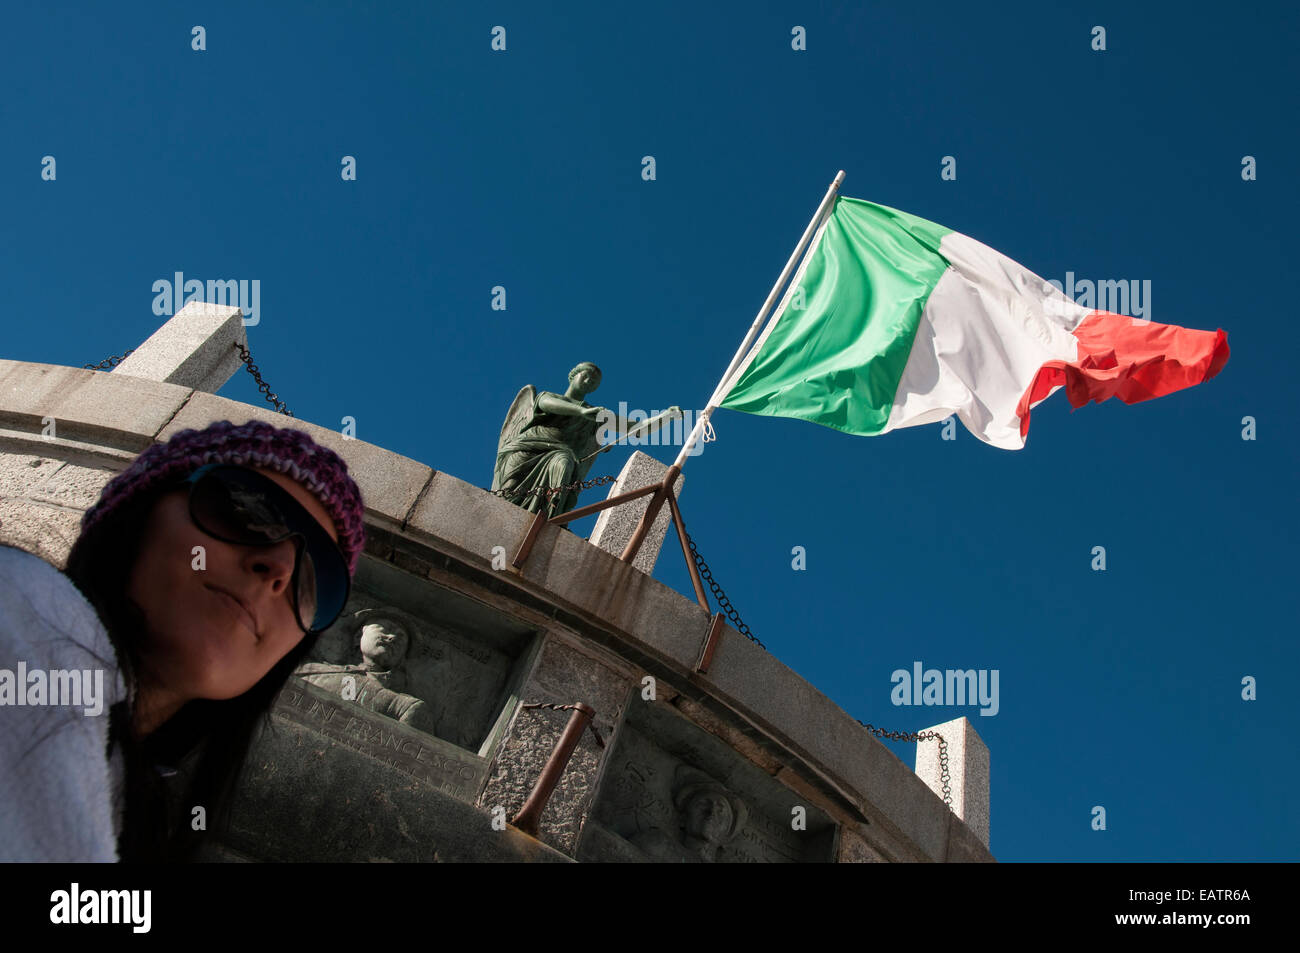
(291, 452)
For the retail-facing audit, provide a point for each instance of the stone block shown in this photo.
(390, 483)
(469, 518)
(854, 849)
(791, 709)
(92, 407)
(47, 531)
(596, 582)
(305, 797)
(195, 348)
(615, 526)
(563, 676)
(72, 486)
(570, 569)
(20, 473)
(968, 771)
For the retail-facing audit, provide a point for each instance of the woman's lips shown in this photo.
(247, 617)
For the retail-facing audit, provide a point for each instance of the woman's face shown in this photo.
(214, 632)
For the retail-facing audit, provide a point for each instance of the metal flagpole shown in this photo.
(662, 492)
(743, 350)
(670, 476)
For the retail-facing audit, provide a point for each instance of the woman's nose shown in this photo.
(275, 562)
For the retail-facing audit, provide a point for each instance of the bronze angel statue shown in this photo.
(550, 440)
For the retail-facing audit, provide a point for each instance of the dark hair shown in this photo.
(210, 737)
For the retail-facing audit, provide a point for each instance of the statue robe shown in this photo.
(546, 452)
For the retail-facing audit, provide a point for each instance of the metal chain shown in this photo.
(550, 491)
(261, 384)
(600, 742)
(730, 611)
(108, 363)
(724, 603)
(944, 776)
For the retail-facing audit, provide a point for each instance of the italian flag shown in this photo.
(893, 321)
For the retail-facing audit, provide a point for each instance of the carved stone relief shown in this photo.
(674, 793)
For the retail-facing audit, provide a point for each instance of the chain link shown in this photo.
(724, 604)
(550, 491)
(600, 742)
(108, 363)
(944, 776)
(111, 362)
(261, 384)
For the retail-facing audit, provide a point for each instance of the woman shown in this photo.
(211, 563)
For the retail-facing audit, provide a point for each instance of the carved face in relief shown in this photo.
(384, 643)
(709, 816)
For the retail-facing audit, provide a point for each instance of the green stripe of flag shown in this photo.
(837, 362)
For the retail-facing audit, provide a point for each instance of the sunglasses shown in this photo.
(238, 505)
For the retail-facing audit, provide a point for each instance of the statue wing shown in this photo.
(519, 414)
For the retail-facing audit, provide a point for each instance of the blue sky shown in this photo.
(522, 169)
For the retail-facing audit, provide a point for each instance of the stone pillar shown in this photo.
(614, 526)
(563, 676)
(195, 348)
(968, 770)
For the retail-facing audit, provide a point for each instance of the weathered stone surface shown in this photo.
(965, 846)
(194, 348)
(306, 798)
(569, 569)
(389, 482)
(47, 531)
(439, 764)
(855, 850)
(792, 708)
(72, 486)
(563, 676)
(469, 518)
(673, 792)
(594, 581)
(701, 716)
(662, 619)
(968, 772)
(88, 406)
(615, 526)
(20, 473)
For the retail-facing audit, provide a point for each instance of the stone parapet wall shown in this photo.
(602, 625)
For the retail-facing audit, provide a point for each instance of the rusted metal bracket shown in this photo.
(690, 563)
(663, 492)
(710, 643)
(540, 519)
